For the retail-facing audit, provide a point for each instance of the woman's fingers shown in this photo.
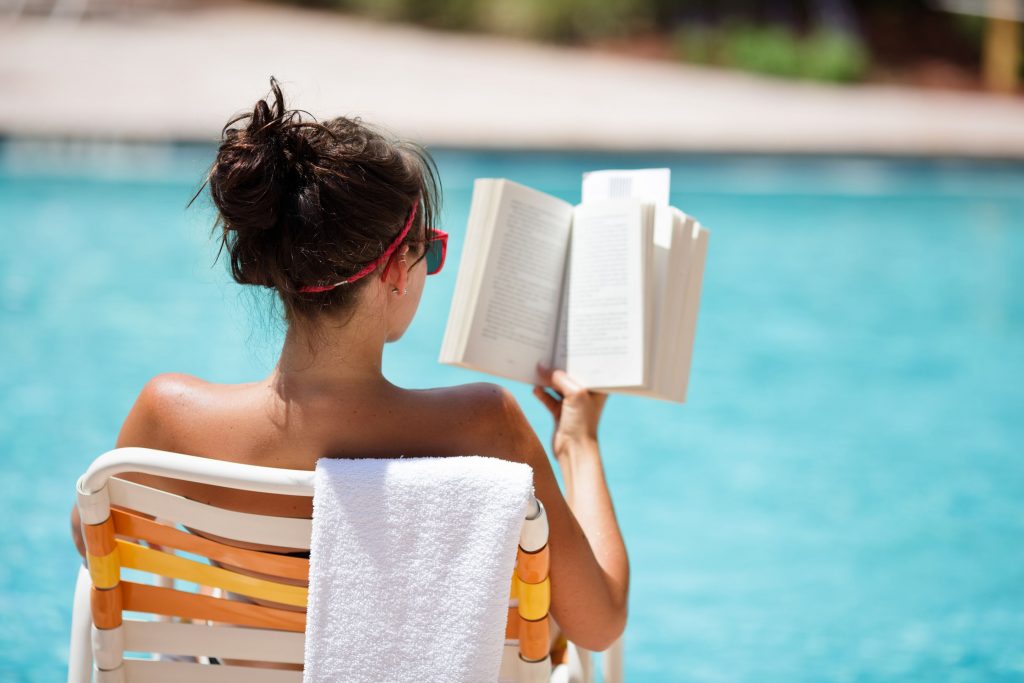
(550, 402)
(559, 381)
(564, 384)
(577, 411)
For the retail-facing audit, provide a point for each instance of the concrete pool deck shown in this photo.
(180, 76)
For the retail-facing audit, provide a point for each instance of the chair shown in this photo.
(127, 526)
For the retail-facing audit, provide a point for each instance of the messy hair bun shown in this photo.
(302, 203)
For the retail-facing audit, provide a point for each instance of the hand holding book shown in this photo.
(575, 409)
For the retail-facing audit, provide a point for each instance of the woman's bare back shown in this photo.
(254, 424)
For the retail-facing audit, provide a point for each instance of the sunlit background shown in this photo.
(842, 496)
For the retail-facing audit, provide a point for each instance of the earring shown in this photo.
(394, 290)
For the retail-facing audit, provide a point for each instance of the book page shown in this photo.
(607, 297)
(660, 265)
(646, 184)
(690, 309)
(673, 244)
(560, 353)
(486, 193)
(514, 320)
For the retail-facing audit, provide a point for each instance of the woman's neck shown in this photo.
(332, 354)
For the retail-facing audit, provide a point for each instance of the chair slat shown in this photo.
(134, 556)
(137, 597)
(286, 532)
(99, 538)
(533, 567)
(512, 624)
(167, 637)
(106, 606)
(509, 671)
(153, 671)
(134, 526)
(534, 599)
(534, 639)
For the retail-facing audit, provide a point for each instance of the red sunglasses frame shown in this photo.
(436, 235)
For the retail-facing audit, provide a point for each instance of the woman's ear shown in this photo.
(397, 276)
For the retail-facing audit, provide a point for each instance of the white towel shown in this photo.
(410, 566)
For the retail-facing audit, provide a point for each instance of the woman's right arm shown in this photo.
(589, 565)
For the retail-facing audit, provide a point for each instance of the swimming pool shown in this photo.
(842, 498)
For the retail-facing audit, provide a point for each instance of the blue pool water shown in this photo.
(842, 499)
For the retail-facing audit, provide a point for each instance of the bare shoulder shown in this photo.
(171, 392)
(174, 384)
(479, 401)
(161, 407)
(485, 413)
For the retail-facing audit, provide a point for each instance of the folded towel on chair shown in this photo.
(410, 567)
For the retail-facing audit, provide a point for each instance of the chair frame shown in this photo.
(98, 637)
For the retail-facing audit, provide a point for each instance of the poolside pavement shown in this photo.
(180, 75)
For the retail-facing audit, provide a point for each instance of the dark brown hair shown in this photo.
(307, 203)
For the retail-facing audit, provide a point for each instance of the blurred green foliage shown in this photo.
(561, 20)
(765, 49)
(734, 39)
(557, 20)
(822, 54)
(833, 56)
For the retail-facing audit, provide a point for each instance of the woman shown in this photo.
(337, 219)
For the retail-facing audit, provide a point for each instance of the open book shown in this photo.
(607, 290)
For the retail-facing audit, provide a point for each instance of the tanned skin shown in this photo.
(327, 397)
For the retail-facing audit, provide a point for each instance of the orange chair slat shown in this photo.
(135, 526)
(157, 600)
(106, 606)
(534, 599)
(99, 538)
(533, 567)
(534, 639)
(512, 624)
